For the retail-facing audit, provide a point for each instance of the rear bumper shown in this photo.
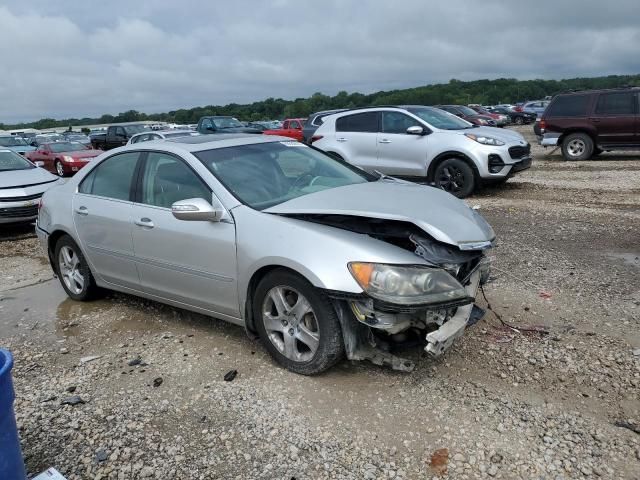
(549, 139)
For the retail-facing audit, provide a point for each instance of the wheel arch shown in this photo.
(255, 279)
(53, 239)
(445, 156)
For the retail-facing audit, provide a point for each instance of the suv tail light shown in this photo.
(543, 125)
(315, 138)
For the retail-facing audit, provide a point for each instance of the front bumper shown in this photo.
(43, 239)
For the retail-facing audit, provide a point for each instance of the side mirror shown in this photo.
(38, 164)
(415, 130)
(196, 210)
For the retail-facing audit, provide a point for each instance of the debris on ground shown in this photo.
(73, 400)
(230, 375)
(439, 461)
(157, 382)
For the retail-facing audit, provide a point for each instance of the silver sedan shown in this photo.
(316, 257)
(21, 185)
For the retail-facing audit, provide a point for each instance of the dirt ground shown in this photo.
(504, 403)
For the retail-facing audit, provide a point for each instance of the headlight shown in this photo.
(407, 285)
(67, 158)
(484, 140)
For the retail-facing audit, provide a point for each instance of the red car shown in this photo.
(291, 127)
(63, 158)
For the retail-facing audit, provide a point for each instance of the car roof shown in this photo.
(220, 140)
(598, 90)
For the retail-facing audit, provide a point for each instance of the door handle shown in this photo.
(595, 120)
(82, 210)
(384, 140)
(341, 139)
(144, 222)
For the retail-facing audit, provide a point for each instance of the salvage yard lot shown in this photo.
(504, 403)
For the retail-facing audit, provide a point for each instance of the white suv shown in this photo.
(424, 144)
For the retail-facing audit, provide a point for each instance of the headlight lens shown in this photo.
(67, 158)
(407, 284)
(484, 140)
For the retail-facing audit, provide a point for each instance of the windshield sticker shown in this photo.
(293, 144)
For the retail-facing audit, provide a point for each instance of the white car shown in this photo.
(425, 144)
(160, 135)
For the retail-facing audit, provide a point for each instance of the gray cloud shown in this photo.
(77, 58)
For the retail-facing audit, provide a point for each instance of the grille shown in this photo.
(519, 152)
(19, 212)
(20, 199)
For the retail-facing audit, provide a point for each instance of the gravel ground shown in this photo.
(501, 404)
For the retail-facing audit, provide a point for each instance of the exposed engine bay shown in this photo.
(374, 328)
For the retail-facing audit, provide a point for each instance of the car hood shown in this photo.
(19, 178)
(440, 214)
(82, 153)
(505, 135)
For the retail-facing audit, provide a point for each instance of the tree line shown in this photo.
(484, 92)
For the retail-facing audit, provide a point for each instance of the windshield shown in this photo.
(48, 138)
(12, 142)
(133, 129)
(78, 138)
(12, 161)
(440, 119)
(267, 174)
(66, 147)
(227, 122)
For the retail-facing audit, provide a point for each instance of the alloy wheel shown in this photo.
(576, 147)
(69, 268)
(452, 179)
(291, 323)
(59, 169)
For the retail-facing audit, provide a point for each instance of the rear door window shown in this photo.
(569, 106)
(358, 122)
(619, 103)
(112, 178)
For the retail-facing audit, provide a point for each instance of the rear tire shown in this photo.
(296, 323)
(518, 121)
(577, 146)
(455, 176)
(73, 271)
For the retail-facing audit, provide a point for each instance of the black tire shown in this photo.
(455, 176)
(330, 345)
(59, 168)
(89, 288)
(518, 121)
(577, 146)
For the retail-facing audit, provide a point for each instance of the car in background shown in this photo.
(47, 138)
(21, 185)
(536, 107)
(160, 135)
(116, 136)
(424, 144)
(586, 123)
(500, 119)
(291, 127)
(237, 227)
(15, 143)
(518, 118)
(262, 126)
(314, 121)
(77, 137)
(63, 158)
(468, 114)
(223, 124)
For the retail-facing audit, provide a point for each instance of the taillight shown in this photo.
(542, 124)
(315, 138)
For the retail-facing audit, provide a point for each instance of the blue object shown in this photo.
(11, 463)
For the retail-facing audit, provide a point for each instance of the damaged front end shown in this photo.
(408, 305)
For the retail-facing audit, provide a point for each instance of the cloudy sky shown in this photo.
(75, 58)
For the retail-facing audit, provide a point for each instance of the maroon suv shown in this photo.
(586, 123)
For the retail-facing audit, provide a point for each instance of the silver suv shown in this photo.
(424, 144)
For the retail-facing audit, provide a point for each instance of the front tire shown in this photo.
(297, 324)
(59, 168)
(455, 176)
(518, 121)
(577, 146)
(73, 271)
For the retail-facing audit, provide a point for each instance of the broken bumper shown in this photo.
(549, 139)
(440, 340)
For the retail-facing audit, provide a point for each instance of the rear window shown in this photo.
(568, 106)
(359, 122)
(621, 103)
